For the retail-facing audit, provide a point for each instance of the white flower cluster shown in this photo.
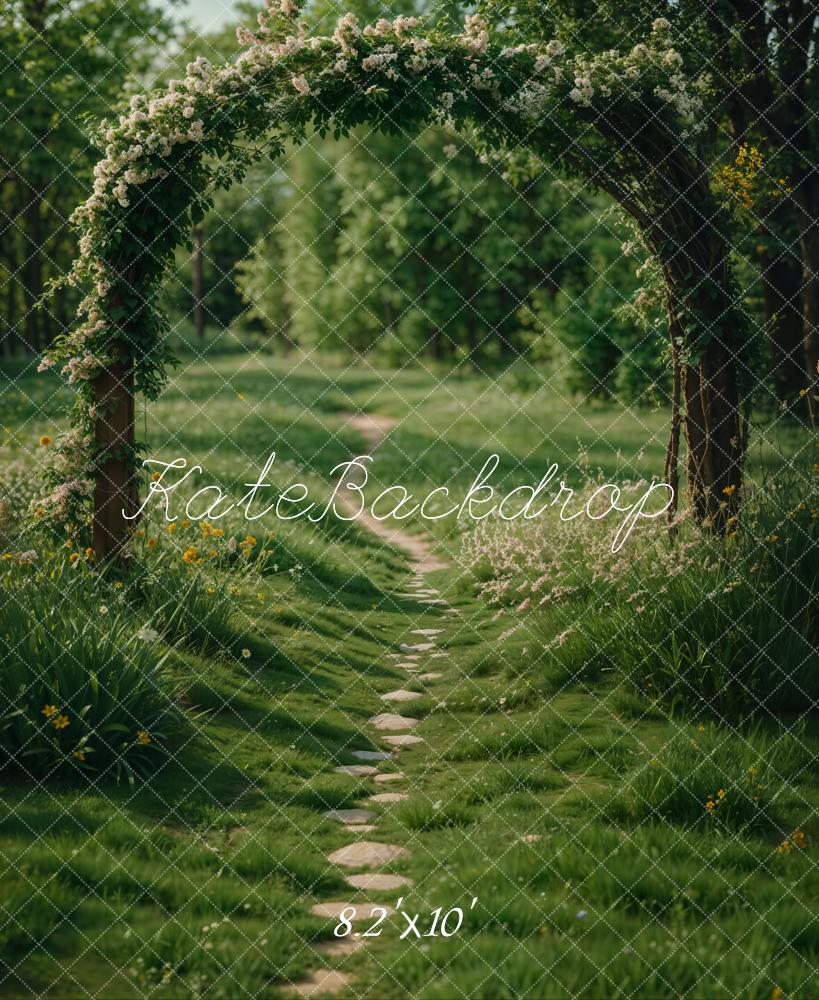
(476, 34)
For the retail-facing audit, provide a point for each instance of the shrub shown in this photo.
(81, 686)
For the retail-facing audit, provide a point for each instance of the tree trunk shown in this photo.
(701, 303)
(781, 277)
(712, 436)
(32, 276)
(806, 199)
(198, 283)
(115, 487)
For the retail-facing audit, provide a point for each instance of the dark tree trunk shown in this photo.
(806, 202)
(115, 487)
(32, 272)
(198, 283)
(701, 302)
(781, 278)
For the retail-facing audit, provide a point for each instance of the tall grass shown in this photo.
(82, 687)
(702, 623)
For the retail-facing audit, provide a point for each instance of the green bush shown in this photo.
(82, 686)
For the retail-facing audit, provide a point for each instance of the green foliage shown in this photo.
(61, 65)
(80, 687)
(707, 775)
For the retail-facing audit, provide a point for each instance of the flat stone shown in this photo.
(371, 755)
(349, 815)
(405, 740)
(410, 665)
(384, 779)
(401, 695)
(431, 591)
(361, 828)
(363, 911)
(386, 797)
(366, 854)
(427, 631)
(319, 981)
(341, 946)
(418, 647)
(431, 675)
(356, 770)
(530, 838)
(439, 656)
(392, 722)
(433, 600)
(376, 880)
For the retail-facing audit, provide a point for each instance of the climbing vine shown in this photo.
(624, 121)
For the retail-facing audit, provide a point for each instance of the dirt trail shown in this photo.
(374, 427)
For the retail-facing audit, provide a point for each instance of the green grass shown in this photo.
(198, 880)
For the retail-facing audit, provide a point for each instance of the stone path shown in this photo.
(367, 854)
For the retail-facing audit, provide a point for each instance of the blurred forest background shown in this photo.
(414, 249)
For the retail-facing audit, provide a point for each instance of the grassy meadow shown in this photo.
(617, 759)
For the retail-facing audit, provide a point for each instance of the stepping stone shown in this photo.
(356, 770)
(432, 675)
(418, 647)
(389, 797)
(400, 695)
(383, 779)
(371, 755)
(427, 631)
(363, 911)
(431, 591)
(409, 667)
(343, 946)
(405, 740)
(360, 828)
(376, 880)
(438, 656)
(319, 981)
(392, 722)
(530, 838)
(366, 854)
(433, 600)
(349, 815)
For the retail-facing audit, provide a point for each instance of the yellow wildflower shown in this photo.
(61, 722)
(79, 754)
(245, 654)
(171, 528)
(151, 543)
(74, 557)
(45, 441)
(189, 555)
(50, 710)
(89, 553)
(143, 737)
(729, 489)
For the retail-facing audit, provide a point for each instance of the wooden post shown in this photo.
(115, 486)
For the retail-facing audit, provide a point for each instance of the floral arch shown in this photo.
(626, 122)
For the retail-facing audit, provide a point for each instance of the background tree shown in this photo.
(59, 63)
